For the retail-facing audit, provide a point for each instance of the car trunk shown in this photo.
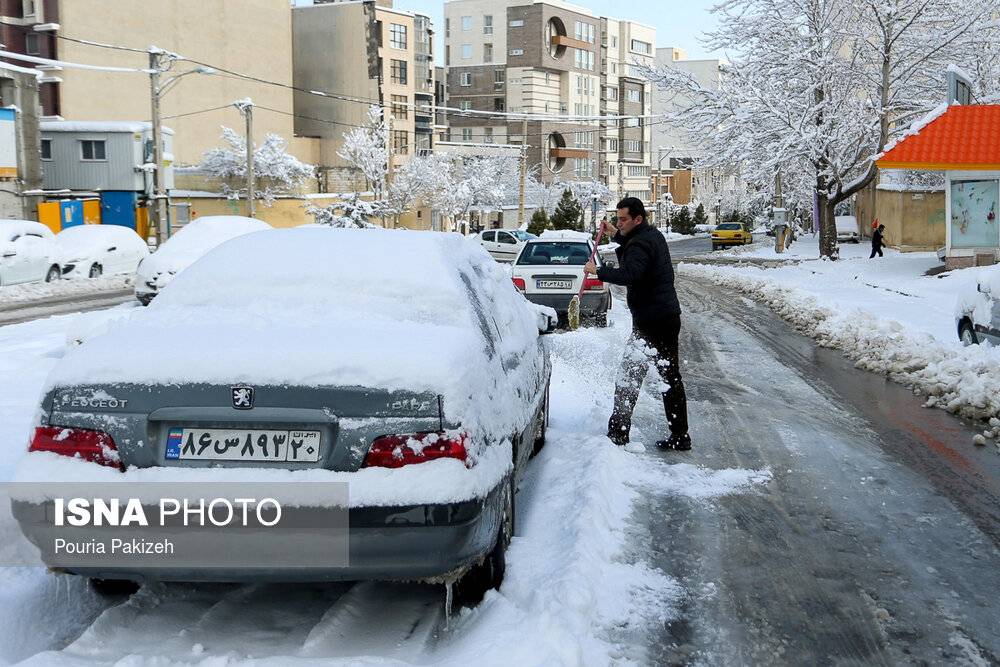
(285, 427)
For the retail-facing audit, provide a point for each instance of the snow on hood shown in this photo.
(82, 242)
(565, 235)
(976, 300)
(338, 307)
(197, 238)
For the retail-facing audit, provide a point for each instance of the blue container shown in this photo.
(71, 213)
(118, 208)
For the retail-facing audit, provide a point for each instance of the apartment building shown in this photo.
(551, 58)
(382, 56)
(223, 33)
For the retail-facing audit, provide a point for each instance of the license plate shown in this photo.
(194, 444)
(554, 284)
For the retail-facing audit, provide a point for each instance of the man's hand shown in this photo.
(590, 269)
(610, 229)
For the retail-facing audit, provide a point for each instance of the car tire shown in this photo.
(488, 573)
(714, 247)
(542, 426)
(53, 274)
(967, 334)
(114, 587)
(95, 271)
(601, 320)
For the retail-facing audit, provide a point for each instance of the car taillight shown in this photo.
(95, 446)
(592, 283)
(396, 451)
(519, 283)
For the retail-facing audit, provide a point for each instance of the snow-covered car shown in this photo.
(406, 362)
(847, 229)
(504, 245)
(94, 250)
(977, 316)
(28, 253)
(185, 247)
(549, 272)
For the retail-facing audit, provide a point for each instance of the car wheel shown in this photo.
(489, 573)
(542, 425)
(601, 320)
(967, 334)
(53, 274)
(95, 271)
(114, 587)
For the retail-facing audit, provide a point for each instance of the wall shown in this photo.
(233, 34)
(19, 88)
(914, 221)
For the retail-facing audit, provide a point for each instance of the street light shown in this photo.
(659, 178)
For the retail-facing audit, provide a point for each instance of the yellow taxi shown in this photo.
(731, 233)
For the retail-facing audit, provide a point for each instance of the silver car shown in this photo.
(329, 339)
(978, 316)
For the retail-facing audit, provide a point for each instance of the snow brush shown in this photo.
(573, 312)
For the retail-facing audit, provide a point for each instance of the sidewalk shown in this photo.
(883, 313)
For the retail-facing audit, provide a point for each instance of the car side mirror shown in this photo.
(112, 248)
(553, 323)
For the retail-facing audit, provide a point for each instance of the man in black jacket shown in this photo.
(878, 240)
(644, 268)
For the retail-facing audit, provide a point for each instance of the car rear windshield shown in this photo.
(730, 226)
(567, 252)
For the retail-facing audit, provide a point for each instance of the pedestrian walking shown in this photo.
(644, 268)
(878, 240)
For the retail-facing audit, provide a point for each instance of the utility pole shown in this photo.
(524, 172)
(159, 208)
(387, 121)
(246, 107)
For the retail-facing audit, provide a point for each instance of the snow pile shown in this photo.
(962, 380)
(193, 241)
(18, 295)
(396, 310)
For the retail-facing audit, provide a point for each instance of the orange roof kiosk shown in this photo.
(963, 141)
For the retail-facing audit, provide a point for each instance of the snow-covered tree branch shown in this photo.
(277, 171)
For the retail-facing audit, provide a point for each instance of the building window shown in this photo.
(466, 51)
(465, 105)
(92, 150)
(613, 145)
(498, 104)
(633, 146)
(498, 76)
(466, 134)
(644, 48)
(517, 23)
(400, 142)
(447, 55)
(584, 32)
(488, 137)
(465, 79)
(466, 23)
(398, 71)
(400, 107)
(31, 46)
(447, 27)
(397, 36)
(487, 53)
(487, 25)
(612, 93)
(28, 8)
(46, 149)
(633, 95)
(516, 52)
(614, 41)
(583, 59)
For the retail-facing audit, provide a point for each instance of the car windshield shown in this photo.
(523, 236)
(730, 226)
(566, 252)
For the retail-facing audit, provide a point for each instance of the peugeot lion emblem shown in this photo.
(243, 397)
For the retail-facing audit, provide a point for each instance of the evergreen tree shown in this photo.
(700, 217)
(682, 223)
(539, 222)
(568, 214)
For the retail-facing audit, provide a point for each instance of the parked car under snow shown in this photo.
(91, 251)
(187, 246)
(28, 253)
(409, 359)
(977, 316)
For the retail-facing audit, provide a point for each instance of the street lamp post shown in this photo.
(593, 213)
(659, 179)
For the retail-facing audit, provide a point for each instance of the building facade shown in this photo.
(551, 59)
(383, 57)
(20, 163)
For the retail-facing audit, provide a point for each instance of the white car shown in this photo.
(186, 247)
(504, 245)
(94, 250)
(847, 229)
(977, 316)
(28, 253)
(549, 272)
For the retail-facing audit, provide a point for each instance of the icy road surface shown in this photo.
(822, 518)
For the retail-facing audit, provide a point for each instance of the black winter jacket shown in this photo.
(878, 240)
(644, 268)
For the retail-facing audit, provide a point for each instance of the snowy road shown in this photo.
(823, 517)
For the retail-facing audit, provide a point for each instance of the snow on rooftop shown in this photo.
(98, 126)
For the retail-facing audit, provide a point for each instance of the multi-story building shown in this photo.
(549, 59)
(197, 105)
(383, 57)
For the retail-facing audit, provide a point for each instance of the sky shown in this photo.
(677, 22)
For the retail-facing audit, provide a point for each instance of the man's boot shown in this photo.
(618, 430)
(675, 407)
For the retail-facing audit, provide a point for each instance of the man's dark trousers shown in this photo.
(656, 344)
